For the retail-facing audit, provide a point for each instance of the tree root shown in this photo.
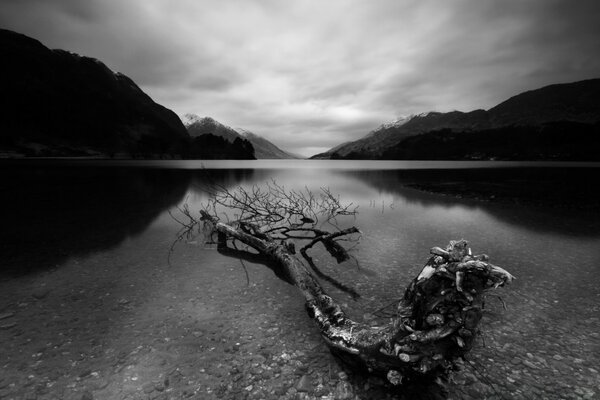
(437, 319)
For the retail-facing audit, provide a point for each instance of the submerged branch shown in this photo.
(437, 319)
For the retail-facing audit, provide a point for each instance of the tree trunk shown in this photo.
(436, 321)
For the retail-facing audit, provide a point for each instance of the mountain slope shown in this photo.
(551, 141)
(380, 139)
(197, 126)
(263, 149)
(573, 103)
(57, 103)
(576, 102)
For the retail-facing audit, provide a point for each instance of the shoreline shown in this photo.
(535, 194)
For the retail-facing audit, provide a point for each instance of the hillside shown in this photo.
(263, 149)
(212, 147)
(197, 126)
(57, 103)
(552, 141)
(567, 113)
(575, 102)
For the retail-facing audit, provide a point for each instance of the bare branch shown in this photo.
(436, 321)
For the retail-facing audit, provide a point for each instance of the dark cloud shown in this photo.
(310, 75)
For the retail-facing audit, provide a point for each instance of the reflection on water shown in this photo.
(545, 345)
(308, 164)
(558, 200)
(50, 214)
(554, 252)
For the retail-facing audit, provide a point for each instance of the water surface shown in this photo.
(86, 279)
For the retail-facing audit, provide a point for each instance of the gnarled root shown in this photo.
(442, 308)
(437, 319)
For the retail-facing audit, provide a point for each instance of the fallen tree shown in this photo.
(436, 321)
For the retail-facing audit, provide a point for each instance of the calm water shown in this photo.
(82, 227)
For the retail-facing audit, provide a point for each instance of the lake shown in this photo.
(94, 303)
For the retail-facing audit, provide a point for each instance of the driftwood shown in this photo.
(436, 320)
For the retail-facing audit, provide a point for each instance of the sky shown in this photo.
(311, 74)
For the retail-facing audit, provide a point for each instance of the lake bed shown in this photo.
(92, 307)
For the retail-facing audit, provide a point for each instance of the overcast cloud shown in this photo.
(309, 75)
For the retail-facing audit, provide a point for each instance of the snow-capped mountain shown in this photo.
(572, 107)
(263, 149)
(397, 122)
(188, 119)
(197, 126)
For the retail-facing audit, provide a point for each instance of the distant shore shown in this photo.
(562, 195)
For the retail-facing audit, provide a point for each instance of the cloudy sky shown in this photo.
(310, 74)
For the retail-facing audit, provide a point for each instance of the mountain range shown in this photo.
(263, 149)
(60, 104)
(57, 103)
(556, 122)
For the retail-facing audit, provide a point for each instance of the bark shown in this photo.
(437, 319)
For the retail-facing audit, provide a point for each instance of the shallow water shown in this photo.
(91, 306)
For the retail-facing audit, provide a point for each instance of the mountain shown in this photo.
(210, 147)
(263, 149)
(552, 141)
(197, 126)
(57, 103)
(576, 102)
(377, 141)
(554, 122)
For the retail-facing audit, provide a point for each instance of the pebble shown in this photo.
(101, 384)
(304, 372)
(87, 395)
(85, 373)
(304, 384)
(320, 390)
(478, 390)
(343, 391)
(6, 315)
(40, 293)
(148, 387)
(469, 378)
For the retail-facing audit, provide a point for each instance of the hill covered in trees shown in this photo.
(59, 104)
(556, 122)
